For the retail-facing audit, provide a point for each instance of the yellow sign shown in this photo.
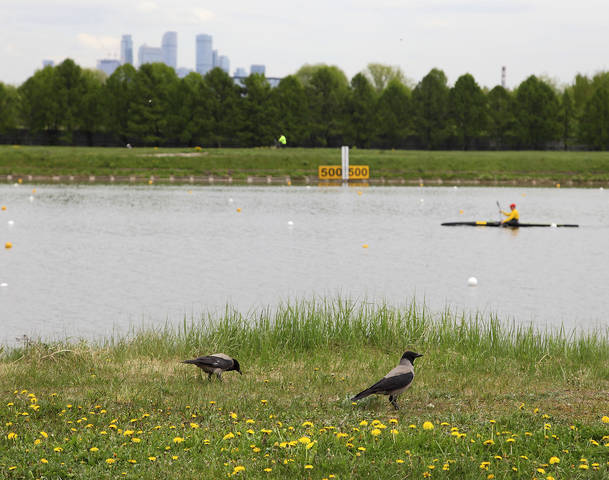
(335, 172)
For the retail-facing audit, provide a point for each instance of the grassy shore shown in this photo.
(489, 400)
(301, 165)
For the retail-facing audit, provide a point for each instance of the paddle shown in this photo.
(499, 207)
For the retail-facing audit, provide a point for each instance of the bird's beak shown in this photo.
(419, 355)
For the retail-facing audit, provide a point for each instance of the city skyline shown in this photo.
(557, 39)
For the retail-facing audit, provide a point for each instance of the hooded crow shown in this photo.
(395, 382)
(216, 363)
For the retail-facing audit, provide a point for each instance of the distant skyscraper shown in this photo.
(169, 49)
(148, 54)
(48, 63)
(214, 59)
(182, 72)
(240, 72)
(126, 49)
(261, 69)
(224, 63)
(108, 65)
(204, 54)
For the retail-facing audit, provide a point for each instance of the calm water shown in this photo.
(91, 260)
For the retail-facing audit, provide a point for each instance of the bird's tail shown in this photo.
(193, 362)
(363, 394)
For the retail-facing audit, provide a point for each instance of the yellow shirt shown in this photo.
(513, 215)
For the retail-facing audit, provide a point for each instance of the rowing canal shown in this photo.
(90, 261)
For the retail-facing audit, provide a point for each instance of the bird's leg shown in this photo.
(209, 377)
(392, 400)
(219, 376)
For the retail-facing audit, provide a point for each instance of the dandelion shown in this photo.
(94, 449)
(304, 440)
(228, 436)
(11, 436)
(110, 461)
(605, 419)
(394, 431)
(44, 434)
(489, 442)
(307, 424)
(152, 459)
(194, 425)
(238, 468)
(308, 467)
(58, 449)
(264, 402)
(268, 470)
(132, 461)
(174, 457)
(136, 440)
(393, 420)
(554, 460)
(12, 467)
(361, 449)
(363, 423)
(428, 426)
(376, 432)
(583, 466)
(541, 470)
(44, 460)
(178, 439)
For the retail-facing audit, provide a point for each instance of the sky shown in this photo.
(553, 38)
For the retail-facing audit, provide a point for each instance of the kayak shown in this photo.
(499, 224)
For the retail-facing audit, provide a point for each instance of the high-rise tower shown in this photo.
(204, 54)
(169, 49)
(126, 49)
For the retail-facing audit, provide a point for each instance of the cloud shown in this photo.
(147, 6)
(202, 15)
(103, 42)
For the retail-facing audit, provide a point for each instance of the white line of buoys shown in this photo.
(472, 282)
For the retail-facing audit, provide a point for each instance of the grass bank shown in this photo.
(301, 165)
(489, 400)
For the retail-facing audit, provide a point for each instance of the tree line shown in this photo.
(315, 107)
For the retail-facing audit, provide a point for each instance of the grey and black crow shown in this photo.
(395, 382)
(216, 363)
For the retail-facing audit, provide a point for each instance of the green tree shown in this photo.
(430, 109)
(152, 103)
(393, 116)
(118, 95)
(224, 112)
(90, 112)
(9, 101)
(259, 113)
(382, 75)
(567, 118)
(190, 121)
(68, 89)
(327, 93)
(361, 106)
(292, 106)
(468, 110)
(537, 113)
(501, 119)
(595, 119)
(38, 105)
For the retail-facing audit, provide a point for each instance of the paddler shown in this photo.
(512, 216)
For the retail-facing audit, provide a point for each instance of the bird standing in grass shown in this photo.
(216, 363)
(395, 382)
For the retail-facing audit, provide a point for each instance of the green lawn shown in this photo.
(488, 400)
(545, 168)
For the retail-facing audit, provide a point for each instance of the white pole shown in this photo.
(345, 162)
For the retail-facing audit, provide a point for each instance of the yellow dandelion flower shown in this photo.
(132, 461)
(228, 436)
(194, 425)
(554, 460)
(250, 431)
(304, 440)
(174, 457)
(307, 424)
(238, 468)
(393, 420)
(490, 476)
(233, 415)
(44, 434)
(583, 466)
(58, 449)
(264, 402)
(152, 459)
(44, 460)
(249, 420)
(399, 460)
(12, 467)
(412, 425)
(268, 470)
(428, 426)
(549, 477)
(12, 436)
(376, 432)
(363, 423)
(605, 419)
(94, 449)
(178, 439)
(361, 449)
(510, 440)
(541, 470)
(37, 441)
(489, 442)
(136, 440)
(110, 461)
(308, 467)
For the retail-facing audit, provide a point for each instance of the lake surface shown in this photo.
(89, 261)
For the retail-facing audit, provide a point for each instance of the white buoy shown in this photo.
(3, 284)
(230, 200)
(31, 198)
(553, 225)
(290, 223)
(11, 223)
(422, 200)
(472, 282)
